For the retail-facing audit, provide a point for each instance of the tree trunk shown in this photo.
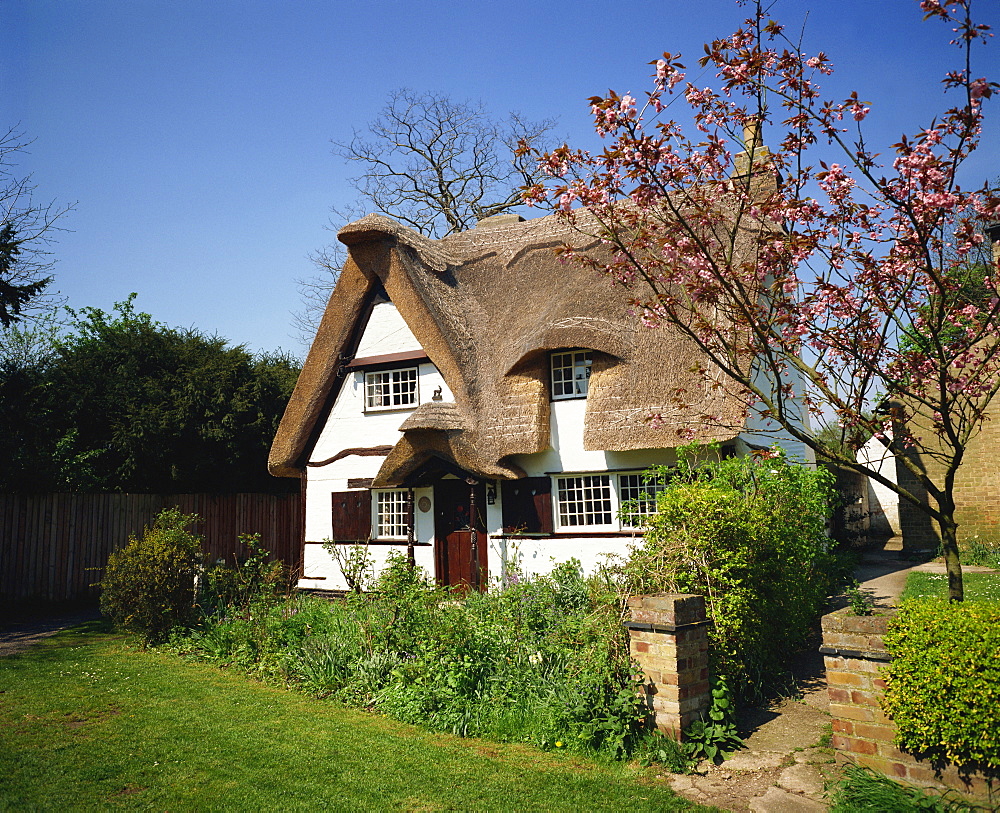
(952, 563)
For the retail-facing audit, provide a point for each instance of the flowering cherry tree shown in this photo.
(805, 281)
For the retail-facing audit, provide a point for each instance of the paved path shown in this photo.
(23, 627)
(784, 769)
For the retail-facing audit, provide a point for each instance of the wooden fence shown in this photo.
(55, 546)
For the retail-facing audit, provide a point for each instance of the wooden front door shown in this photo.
(457, 532)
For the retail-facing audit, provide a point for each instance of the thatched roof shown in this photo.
(487, 305)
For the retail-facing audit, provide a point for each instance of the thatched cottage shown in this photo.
(481, 404)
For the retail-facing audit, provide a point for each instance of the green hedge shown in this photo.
(748, 533)
(943, 684)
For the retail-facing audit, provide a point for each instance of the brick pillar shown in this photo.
(669, 641)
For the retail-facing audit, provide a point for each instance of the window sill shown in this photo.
(565, 534)
(382, 410)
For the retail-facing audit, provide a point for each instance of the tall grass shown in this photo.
(544, 661)
(864, 791)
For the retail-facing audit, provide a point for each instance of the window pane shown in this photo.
(392, 515)
(640, 490)
(570, 373)
(585, 500)
(391, 388)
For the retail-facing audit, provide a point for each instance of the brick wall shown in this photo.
(977, 489)
(669, 640)
(855, 655)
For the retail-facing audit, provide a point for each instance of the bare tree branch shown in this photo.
(434, 164)
(314, 291)
(438, 165)
(25, 234)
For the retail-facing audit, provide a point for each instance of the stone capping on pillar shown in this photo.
(668, 635)
(854, 655)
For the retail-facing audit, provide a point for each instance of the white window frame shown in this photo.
(581, 487)
(578, 363)
(615, 484)
(650, 485)
(390, 514)
(403, 389)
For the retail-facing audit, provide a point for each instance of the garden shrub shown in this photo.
(749, 534)
(355, 563)
(943, 683)
(714, 736)
(149, 585)
(235, 588)
(545, 661)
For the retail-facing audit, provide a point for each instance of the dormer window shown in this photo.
(391, 389)
(570, 374)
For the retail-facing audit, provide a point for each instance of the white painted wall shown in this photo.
(386, 332)
(320, 571)
(538, 556)
(566, 452)
(767, 432)
(883, 502)
(349, 426)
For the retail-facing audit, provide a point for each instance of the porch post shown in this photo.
(474, 581)
(409, 529)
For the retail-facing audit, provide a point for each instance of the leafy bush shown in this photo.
(354, 561)
(236, 588)
(860, 600)
(149, 585)
(748, 533)
(714, 736)
(943, 683)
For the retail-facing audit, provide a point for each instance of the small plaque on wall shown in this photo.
(424, 504)
(360, 482)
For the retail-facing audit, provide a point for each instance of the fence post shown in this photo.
(669, 641)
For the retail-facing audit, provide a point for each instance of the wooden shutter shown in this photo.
(352, 516)
(527, 505)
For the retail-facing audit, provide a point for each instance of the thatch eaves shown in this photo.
(487, 305)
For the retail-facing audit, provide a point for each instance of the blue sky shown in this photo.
(194, 135)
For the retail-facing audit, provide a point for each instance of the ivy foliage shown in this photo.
(943, 683)
(715, 736)
(748, 533)
(149, 585)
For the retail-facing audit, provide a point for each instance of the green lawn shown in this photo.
(978, 586)
(89, 722)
